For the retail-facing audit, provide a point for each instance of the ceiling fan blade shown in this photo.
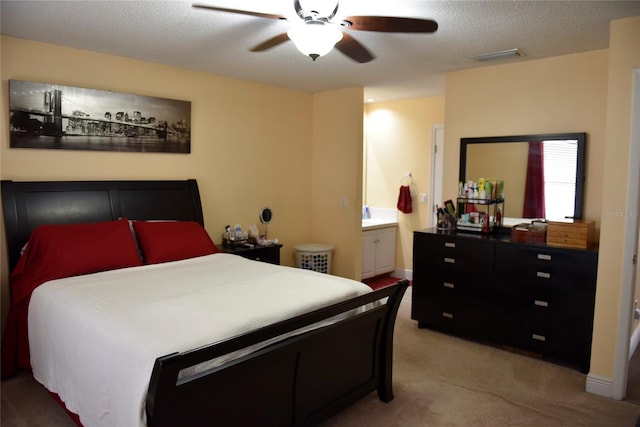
(353, 49)
(268, 44)
(390, 24)
(241, 12)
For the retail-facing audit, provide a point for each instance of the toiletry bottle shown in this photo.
(226, 235)
(485, 223)
(487, 189)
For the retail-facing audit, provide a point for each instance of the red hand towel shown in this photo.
(404, 199)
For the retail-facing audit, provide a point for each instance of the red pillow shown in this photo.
(172, 241)
(64, 250)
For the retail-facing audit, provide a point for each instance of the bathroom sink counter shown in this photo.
(373, 224)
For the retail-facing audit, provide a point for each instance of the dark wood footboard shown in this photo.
(300, 380)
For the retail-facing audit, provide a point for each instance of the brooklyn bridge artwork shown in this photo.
(43, 115)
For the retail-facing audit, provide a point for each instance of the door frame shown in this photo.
(624, 344)
(437, 171)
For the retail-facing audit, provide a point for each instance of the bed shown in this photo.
(296, 368)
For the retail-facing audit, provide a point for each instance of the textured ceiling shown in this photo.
(406, 65)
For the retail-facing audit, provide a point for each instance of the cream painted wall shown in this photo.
(398, 140)
(489, 101)
(588, 92)
(337, 174)
(246, 154)
(559, 94)
(584, 92)
(613, 267)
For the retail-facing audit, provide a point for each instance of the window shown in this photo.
(559, 177)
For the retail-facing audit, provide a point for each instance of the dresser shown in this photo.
(535, 298)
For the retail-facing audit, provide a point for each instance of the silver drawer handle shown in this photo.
(539, 337)
(543, 275)
(447, 315)
(449, 245)
(449, 285)
(450, 260)
(544, 257)
(541, 303)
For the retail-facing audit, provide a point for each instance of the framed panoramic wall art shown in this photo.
(43, 115)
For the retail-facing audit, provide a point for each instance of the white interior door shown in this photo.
(437, 169)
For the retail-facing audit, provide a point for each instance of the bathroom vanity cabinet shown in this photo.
(378, 251)
(530, 297)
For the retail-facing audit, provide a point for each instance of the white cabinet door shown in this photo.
(385, 250)
(378, 251)
(368, 253)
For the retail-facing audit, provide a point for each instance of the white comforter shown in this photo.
(94, 338)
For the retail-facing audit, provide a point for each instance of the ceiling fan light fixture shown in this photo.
(315, 38)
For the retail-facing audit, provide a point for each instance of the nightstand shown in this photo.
(270, 254)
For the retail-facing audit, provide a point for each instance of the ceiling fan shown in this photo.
(316, 35)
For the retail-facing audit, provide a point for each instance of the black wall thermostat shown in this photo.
(266, 215)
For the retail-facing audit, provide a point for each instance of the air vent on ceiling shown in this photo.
(502, 54)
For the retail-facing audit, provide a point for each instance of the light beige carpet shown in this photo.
(439, 380)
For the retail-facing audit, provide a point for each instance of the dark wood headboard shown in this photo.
(30, 204)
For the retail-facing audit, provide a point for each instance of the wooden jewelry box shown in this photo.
(571, 234)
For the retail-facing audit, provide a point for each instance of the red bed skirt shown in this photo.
(74, 417)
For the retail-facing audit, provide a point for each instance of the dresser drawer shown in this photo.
(557, 324)
(546, 267)
(547, 307)
(453, 253)
(269, 254)
(456, 282)
(555, 343)
(461, 316)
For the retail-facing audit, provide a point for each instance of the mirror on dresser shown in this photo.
(552, 164)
